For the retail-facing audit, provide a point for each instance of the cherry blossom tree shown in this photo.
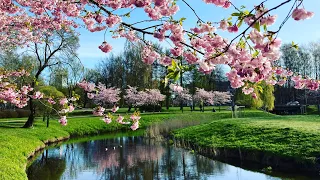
(132, 97)
(221, 98)
(103, 96)
(183, 96)
(153, 97)
(203, 97)
(106, 96)
(251, 54)
(149, 97)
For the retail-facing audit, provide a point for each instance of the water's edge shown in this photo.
(46, 144)
(241, 156)
(279, 163)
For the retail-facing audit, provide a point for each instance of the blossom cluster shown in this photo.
(211, 97)
(137, 98)
(104, 96)
(251, 58)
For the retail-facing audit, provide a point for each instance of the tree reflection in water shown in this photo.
(126, 158)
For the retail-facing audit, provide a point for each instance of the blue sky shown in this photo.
(300, 32)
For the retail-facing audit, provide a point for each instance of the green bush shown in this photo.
(150, 108)
(19, 113)
(22, 113)
(8, 114)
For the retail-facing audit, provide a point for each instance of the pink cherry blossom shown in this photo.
(270, 20)
(135, 126)
(107, 119)
(115, 109)
(112, 20)
(37, 95)
(71, 108)
(223, 25)
(120, 119)
(254, 95)
(63, 101)
(135, 117)
(51, 101)
(246, 90)
(91, 95)
(301, 14)
(63, 120)
(233, 29)
(88, 87)
(176, 88)
(149, 55)
(165, 61)
(99, 111)
(105, 47)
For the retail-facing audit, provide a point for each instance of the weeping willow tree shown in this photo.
(265, 97)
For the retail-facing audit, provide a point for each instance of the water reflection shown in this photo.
(130, 158)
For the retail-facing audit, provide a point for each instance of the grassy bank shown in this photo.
(293, 138)
(17, 144)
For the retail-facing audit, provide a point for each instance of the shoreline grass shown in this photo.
(17, 144)
(294, 135)
(288, 137)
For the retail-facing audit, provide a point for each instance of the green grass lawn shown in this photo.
(16, 143)
(258, 130)
(287, 136)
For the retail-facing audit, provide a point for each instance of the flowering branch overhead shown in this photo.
(251, 53)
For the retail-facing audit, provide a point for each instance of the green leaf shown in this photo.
(260, 89)
(177, 76)
(235, 14)
(229, 19)
(127, 14)
(240, 22)
(257, 26)
(166, 81)
(174, 64)
(294, 45)
(265, 27)
(255, 54)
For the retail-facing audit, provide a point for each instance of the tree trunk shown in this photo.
(181, 103)
(30, 121)
(44, 117)
(48, 120)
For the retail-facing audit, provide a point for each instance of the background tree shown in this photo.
(51, 52)
(264, 97)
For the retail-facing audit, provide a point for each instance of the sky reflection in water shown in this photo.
(131, 158)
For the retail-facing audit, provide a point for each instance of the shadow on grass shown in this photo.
(12, 124)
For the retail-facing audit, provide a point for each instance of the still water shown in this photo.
(132, 158)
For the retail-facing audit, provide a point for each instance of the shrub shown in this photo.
(150, 108)
(19, 113)
(22, 113)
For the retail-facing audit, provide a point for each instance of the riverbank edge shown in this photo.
(18, 168)
(263, 158)
(52, 140)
